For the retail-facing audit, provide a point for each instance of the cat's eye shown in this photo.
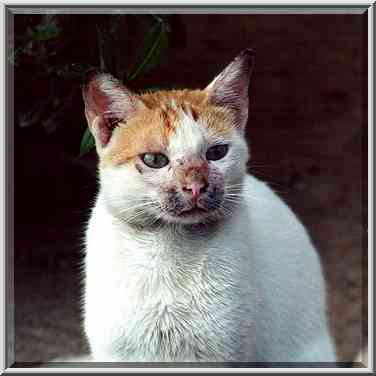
(216, 152)
(154, 160)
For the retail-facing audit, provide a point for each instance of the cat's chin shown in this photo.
(194, 216)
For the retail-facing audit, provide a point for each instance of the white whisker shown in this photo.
(138, 206)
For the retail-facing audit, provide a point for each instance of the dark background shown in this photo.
(307, 131)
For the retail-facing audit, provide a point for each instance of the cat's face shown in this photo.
(174, 163)
(174, 156)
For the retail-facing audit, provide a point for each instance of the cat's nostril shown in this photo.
(204, 188)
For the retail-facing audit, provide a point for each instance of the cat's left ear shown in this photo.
(230, 88)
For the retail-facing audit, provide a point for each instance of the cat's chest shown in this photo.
(160, 270)
(175, 304)
(164, 297)
(169, 282)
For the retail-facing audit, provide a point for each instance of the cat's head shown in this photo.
(173, 156)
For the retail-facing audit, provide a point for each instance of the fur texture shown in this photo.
(193, 260)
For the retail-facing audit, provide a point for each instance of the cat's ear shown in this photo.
(230, 88)
(107, 102)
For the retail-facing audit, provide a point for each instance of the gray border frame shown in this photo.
(9, 184)
(9, 10)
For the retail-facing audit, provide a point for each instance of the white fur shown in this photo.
(188, 137)
(247, 289)
(252, 291)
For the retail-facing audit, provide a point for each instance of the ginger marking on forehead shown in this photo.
(169, 120)
(149, 131)
(194, 113)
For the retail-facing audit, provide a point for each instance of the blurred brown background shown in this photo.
(307, 131)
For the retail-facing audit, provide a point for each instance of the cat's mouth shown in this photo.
(193, 211)
(182, 210)
(188, 215)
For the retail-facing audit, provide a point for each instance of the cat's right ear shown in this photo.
(107, 102)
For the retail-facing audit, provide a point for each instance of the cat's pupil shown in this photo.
(216, 152)
(155, 160)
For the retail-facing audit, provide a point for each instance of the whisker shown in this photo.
(245, 198)
(143, 205)
(234, 185)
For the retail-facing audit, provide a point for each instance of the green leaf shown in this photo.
(87, 143)
(46, 30)
(163, 18)
(115, 20)
(154, 46)
(14, 54)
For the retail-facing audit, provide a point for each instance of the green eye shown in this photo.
(154, 160)
(216, 152)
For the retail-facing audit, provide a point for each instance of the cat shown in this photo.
(188, 258)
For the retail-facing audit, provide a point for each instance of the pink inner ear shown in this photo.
(230, 87)
(106, 129)
(95, 100)
(107, 98)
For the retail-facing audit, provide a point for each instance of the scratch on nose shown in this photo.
(195, 188)
(192, 174)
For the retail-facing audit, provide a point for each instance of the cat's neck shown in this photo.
(158, 232)
(170, 230)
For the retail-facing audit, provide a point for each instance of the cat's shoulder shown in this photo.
(260, 194)
(269, 212)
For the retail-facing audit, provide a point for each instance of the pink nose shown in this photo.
(195, 188)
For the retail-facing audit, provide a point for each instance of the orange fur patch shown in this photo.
(218, 119)
(150, 129)
(146, 132)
